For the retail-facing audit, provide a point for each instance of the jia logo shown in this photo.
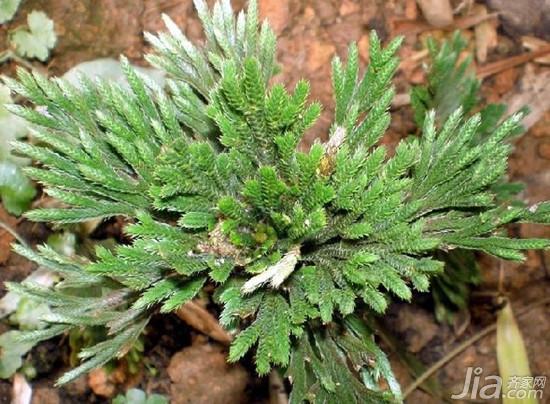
(519, 387)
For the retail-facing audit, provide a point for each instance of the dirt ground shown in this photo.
(310, 33)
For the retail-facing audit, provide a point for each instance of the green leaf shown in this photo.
(29, 314)
(341, 364)
(16, 190)
(11, 353)
(8, 8)
(186, 292)
(197, 220)
(272, 331)
(137, 396)
(38, 40)
(513, 363)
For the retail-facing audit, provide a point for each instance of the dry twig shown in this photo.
(199, 318)
(508, 63)
(461, 347)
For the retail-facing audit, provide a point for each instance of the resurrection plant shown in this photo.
(299, 246)
(451, 84)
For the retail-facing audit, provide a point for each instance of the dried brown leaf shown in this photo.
(486, 37)
(534, 44)
(199, 318)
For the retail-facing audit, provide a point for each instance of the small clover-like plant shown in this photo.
(299, 246)
(34, 41)
(37, 40)
(136, 396)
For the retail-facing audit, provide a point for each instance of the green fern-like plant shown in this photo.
(299, 245)
(452, 84)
